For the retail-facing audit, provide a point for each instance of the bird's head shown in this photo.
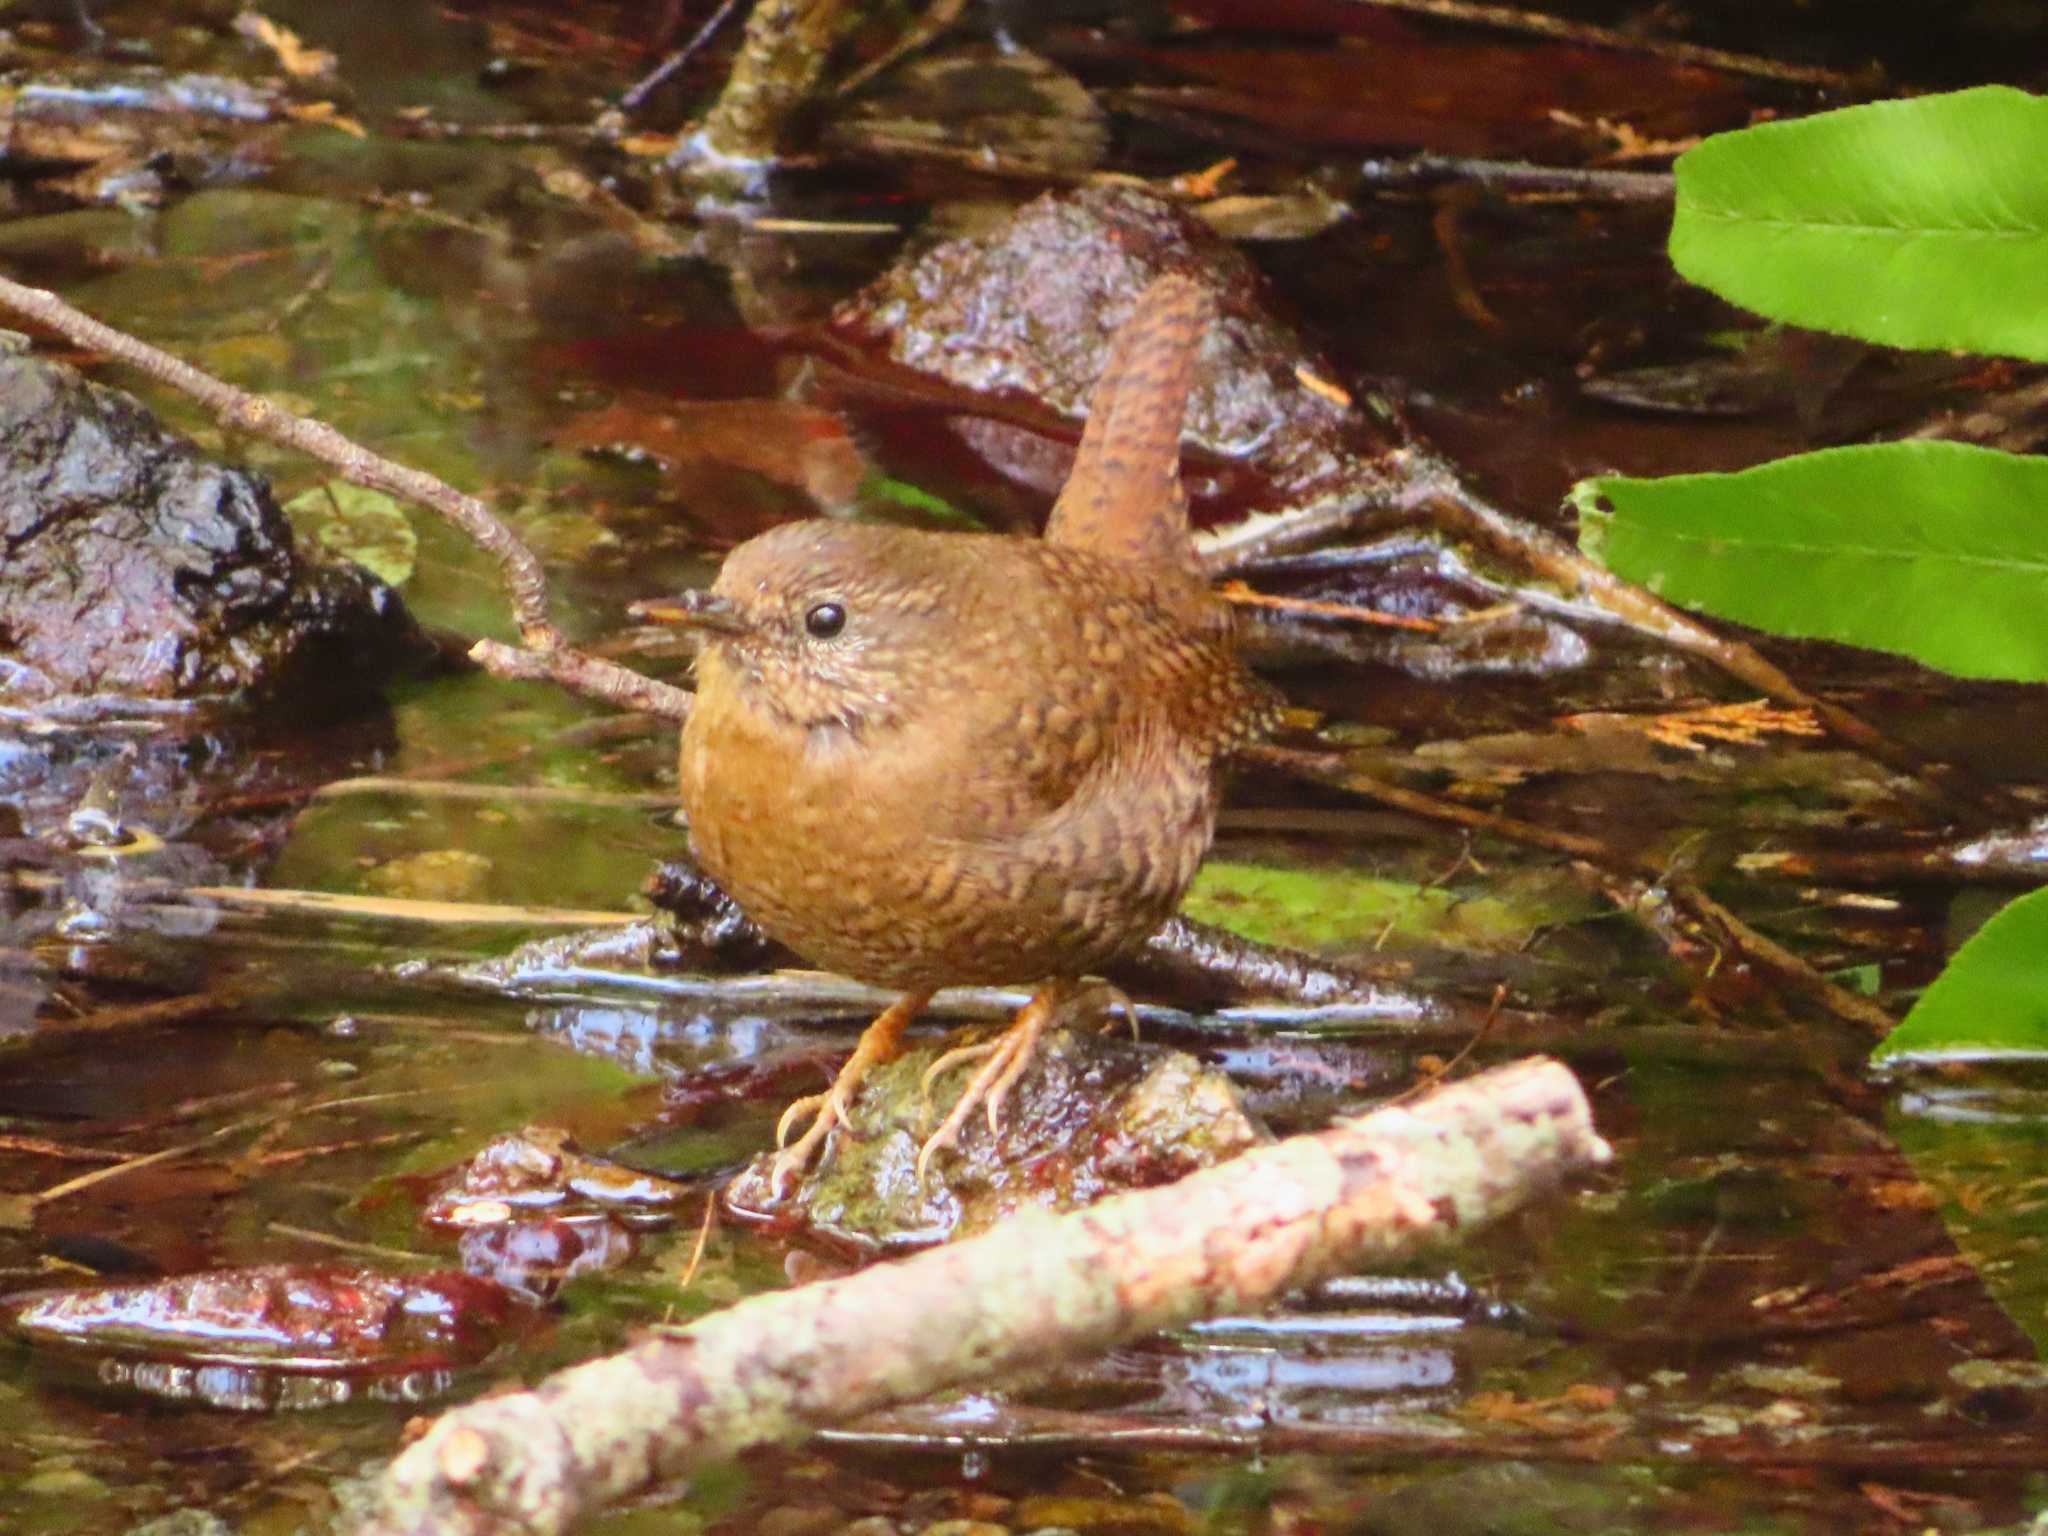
(830, 624)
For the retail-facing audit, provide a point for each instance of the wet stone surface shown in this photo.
(1029, 307)
(137, 569)
(1093, 1114)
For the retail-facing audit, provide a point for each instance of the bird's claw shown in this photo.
(1007, 1057)
(829, 1112)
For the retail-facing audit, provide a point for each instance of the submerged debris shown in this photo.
(275, 1335)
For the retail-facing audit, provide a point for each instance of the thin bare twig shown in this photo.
(1540, 24)
(400, 908)
(1646, 877)
(1589, 183)
(463, 789)
(547, 654)
(169, 1010)
(349, 1244)
(1244, 596)
(637, 94)
(590, 676)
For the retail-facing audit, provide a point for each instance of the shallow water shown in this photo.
(1801, 1300)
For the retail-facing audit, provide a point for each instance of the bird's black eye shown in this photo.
(825, 620)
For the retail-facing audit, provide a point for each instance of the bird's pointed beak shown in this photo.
(695, 610)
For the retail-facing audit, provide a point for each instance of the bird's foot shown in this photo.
(878, 1043)
(1003, 1062)
(828, 1112)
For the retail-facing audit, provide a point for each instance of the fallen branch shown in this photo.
(1540, 24)
(1038, 1288)
(2003, 858)
(1411, 173)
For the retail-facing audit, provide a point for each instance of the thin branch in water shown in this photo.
(547, 655)
(37, 1146)
(1540, 24)
(462, 789)
(1237, 592)
(147, 1159)
(171, 1010)
(333, 1148)
(704, 1230)
(349, 1244)
(401, 908)
(636, 95)
(592, 678)
(1647, 882)
(1510, 177)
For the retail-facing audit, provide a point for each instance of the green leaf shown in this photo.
(1918, 223)
(1938, 551)
(1992, 999)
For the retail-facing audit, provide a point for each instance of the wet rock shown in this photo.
(540, 1169)
(705, 925)
(1094, 1114)
(272, 1336)
(1031, 306)
(137, 570)
(536, 1258)
(534, 1211)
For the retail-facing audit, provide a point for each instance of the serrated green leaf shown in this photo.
(1938, 551)
(1993, 998)
(1919, 223)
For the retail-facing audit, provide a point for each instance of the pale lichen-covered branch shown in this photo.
(1036, 1289)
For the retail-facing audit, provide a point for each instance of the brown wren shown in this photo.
(930, 759)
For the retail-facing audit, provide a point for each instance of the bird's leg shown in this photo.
(878, 1043)
(1007, 1057)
